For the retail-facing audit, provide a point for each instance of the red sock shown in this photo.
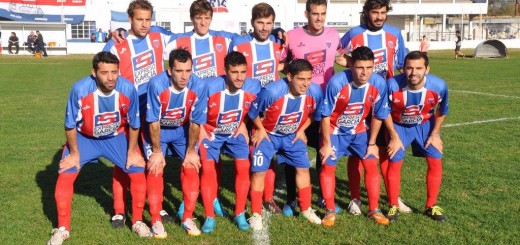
(256, 202)
(242, 184)
(208, 186)
(63, 196)
(328, 185)
(138, 191)
(383, 163)
(394, 181)
(372, 182)
(154, 192)
(433, 180)
(354, 171)
(190, 191)
(270, 176)
(120, 184)
(304, 197)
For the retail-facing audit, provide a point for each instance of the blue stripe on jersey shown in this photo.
(177, 100)
(140, 45)
(263, 51)
(375, 42)
(106, 104)
(231, 102)
(293, 105)
(202, 45)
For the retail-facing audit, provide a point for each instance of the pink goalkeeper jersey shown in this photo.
(320, 50)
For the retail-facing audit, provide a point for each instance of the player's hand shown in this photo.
(394, 146)
(68, 162)
(118, 36)
(258, 136)
(285, 39)
(192, 160)
(300, 134)
(326, 152)
(434, 140)
(372, 150)
(134, 158)
(242, 130)
(156, 163)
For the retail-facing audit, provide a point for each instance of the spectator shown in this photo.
(458, 43)
(93, 37)
(100, 36)
(31, 39)
(40, 45)
(424, 45)
(13, 41)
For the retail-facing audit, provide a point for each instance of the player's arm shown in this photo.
(375, 126)
(395, 142)
(192, 156)
(435, 136)
(300, 134)
(260, 132)
(71, 160)
(156, 160)
(326, 146)
(134, 157)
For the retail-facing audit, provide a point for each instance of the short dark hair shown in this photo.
(138, 4)
(298, 65)
(200, 7)
(315, 2)
(105, 57)
(361, 53)
(234, 59)
(262, 10)
(179, 55)
(417, 55)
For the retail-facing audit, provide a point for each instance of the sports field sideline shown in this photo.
(479, 193)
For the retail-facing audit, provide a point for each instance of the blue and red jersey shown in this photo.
(226, 111)
(208, 51)
(386, 43)
(348, 105)
(284, 113)
(99, 115)
(173, 108)
(262, 57)
(413, 107)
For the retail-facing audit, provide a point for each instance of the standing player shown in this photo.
(141, 56)
(387, 44)
(458, 44)
(349, 99)
(286, 105)
(176, 108)
(101, 120)
(320, 46)
(229, 100)
(418, 106)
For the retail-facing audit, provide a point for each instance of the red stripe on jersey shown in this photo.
(221, 49)
(125, 60)
(391, 45)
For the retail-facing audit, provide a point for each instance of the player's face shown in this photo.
(316, 18)
(106, 76)
(263, 27)
(180, 74)
(361, 71)
(201, 23)
(415, 71)
(141, 22)
(299, 83)
(377, 17)
(235, 77)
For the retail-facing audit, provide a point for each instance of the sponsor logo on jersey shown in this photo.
(352, 115)
(228, 122)
(205, 65)
(106, 123)
(381, 63)
(317, 60)
(144, 67)
(412, 115)
(264, 71)
(288, 123)
(173, 117)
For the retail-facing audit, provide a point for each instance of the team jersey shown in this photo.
(320, 50)
(174, 108)
(387, 45)
(208, 51)
(284, 113)
(99, 115)
(412, 107)
(226, 111)
(139, 60)
(348, 104)
(262, 57)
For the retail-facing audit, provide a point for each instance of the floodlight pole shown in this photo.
(516, 8)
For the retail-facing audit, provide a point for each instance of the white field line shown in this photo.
(480, 122)
(262, 237)
(480, 93)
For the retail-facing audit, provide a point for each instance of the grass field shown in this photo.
(480, 191)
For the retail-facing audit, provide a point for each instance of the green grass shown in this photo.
(479, 191)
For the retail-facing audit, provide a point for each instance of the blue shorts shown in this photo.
(174, 141)
(292, 154)
(346, 145)
(114, 149)
(416, 135)
(236, 147)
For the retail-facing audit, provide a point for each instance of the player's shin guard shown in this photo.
(242, 184)
(138, 191)
(304, 198)
(208, 186)
(328, 185)
(120, 184)
(290, 182)
(394, 182)
(384, 160)
(63, 196)
(269, 182)
(372, 182)
(190, 191)
(154, 191)
(433, 180)
(354, 171)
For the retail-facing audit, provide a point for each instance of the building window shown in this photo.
(165, 25)
(277, 25)
(83, 29)
(298, 24)
(242, 27)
